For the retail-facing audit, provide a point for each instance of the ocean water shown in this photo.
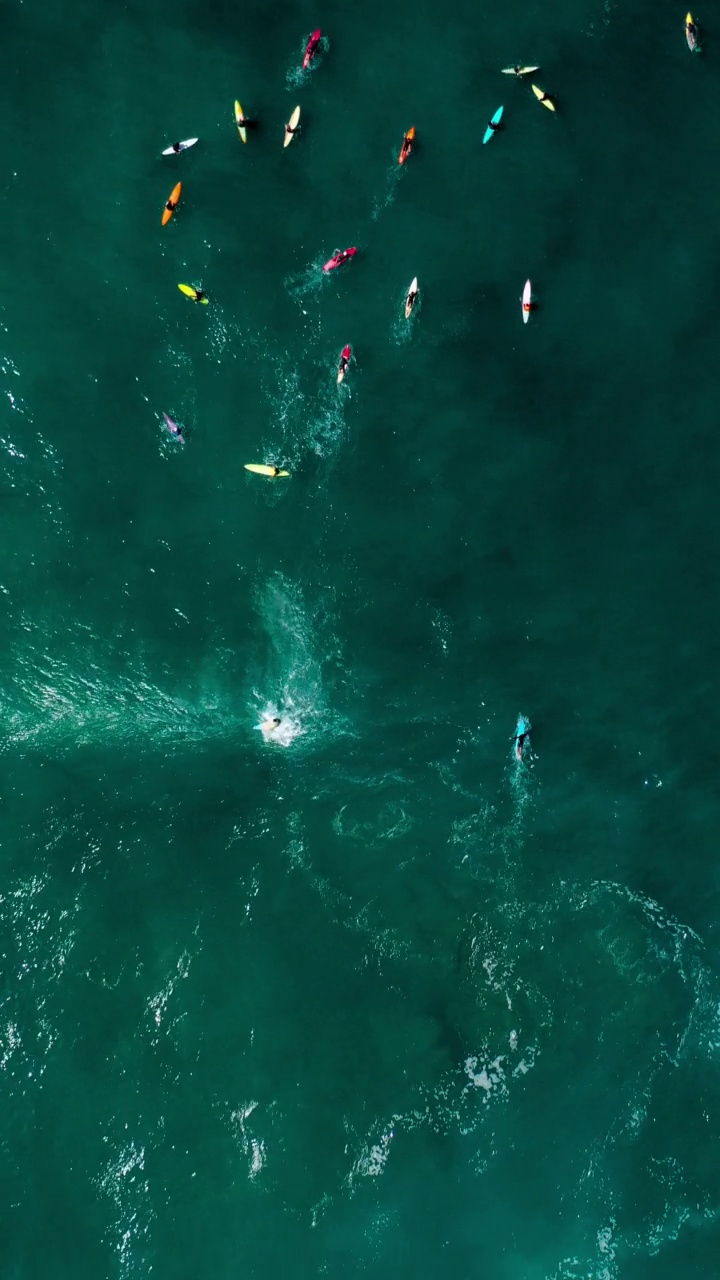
(372, 999)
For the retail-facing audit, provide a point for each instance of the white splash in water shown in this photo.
(253, 1147)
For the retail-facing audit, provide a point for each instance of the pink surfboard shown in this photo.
(312, 45)
(339, 258)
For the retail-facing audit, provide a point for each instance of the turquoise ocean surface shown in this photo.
(373, 999)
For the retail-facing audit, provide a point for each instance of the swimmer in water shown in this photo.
(269, 727)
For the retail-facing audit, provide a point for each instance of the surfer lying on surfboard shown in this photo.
(174, 429)
(408, 143)
(411, 299)
(190, 291)
(339, 257)
(311, 48)
(521, 739)
(345, 357)
(692, 34)
(265, 469)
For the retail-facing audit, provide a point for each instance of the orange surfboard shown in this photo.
(172, 203)
(407, 146)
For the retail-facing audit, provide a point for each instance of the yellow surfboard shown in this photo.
(691, 34)
(261, 470)
(189, 292)
(291, 126)
(240, 115)
(541, 96)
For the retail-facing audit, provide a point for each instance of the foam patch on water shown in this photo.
(381, 820)
(301, 646)
(371, 1161)
(225, 337)
(75, 701)
(519, 952)
(310, 282)
(158, 1004)
(403, 329)
(251, 1145)
(33, 464)
(393, 175)
(658, 964)
(442, 630)
(38, 930)
(124, 1182)
(295, 76)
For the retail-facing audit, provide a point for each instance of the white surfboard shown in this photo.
(291, 127)
(177, 147)
(527, 301)
(411, 298)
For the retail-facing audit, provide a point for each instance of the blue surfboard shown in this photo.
(521, 739)
(495, 120)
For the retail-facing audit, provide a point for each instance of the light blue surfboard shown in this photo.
(495, 120)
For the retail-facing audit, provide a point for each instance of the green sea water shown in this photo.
(373, 1000)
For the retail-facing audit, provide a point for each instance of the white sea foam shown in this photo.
(393, 174)
(158, 1004)
(73, 700)
(300, 645)
(125, 1183)
(373, 1155)
(252, 1146)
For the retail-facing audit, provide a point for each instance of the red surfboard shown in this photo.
(407, 146)
(312, 45)
(338, 258)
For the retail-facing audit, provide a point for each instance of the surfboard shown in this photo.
(292, 124)
(526, 301)
(310, 48)
(177, 147)
(345, 355)
(405, 150)
(191, 292)
(240, 115)
(691, 36)
(172, 202)
(261, 470)
(519, 71)
(174, 429)
(494, 120)
(338, 260)
(411, 298)
(542, 97)
(521, 739)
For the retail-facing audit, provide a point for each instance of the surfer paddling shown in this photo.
(345, 357)
(269, 727)
(408, 143)
(521, 739)
(174, 429)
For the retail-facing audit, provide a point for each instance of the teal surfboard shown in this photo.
(495, 120)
